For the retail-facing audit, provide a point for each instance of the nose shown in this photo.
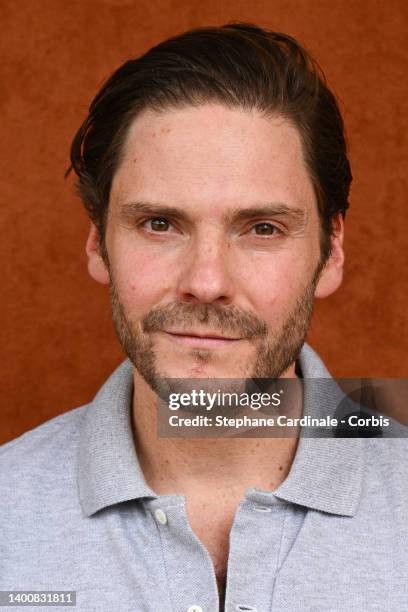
(205, 272)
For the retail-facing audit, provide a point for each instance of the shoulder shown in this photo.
(386, 469)
(388, 453)
(46, 449)
(38, 488)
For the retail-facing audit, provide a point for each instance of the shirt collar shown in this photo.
(326, 473)
(108, 467)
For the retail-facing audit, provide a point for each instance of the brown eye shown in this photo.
(159, 225)
(264, 229)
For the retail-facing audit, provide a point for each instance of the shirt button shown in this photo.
(160, 516)
(195, 609)
(260, 508)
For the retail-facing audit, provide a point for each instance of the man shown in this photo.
(215, 173)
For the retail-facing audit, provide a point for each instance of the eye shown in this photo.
(157, 224)
(265, 229)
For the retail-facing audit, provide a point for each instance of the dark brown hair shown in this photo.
(239, 65)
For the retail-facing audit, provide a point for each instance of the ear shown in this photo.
(96, 266)
(331, 275)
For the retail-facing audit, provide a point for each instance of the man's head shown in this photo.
(215, 173)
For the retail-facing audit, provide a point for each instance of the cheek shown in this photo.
(140, 278)
(273, 284)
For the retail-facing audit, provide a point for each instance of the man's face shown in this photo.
(213, 244)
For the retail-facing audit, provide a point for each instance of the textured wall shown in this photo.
(57, 342)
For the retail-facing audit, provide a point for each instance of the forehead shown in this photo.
(208, 158)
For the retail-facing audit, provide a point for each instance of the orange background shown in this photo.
(58, 344)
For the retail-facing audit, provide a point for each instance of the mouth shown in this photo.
(204, 340)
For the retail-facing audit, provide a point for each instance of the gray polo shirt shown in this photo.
(76, 514)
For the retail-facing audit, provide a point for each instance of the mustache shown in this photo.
(223, 319)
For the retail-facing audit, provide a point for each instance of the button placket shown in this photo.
(256, 536)
(192, 585)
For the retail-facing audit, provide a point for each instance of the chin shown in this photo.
(204, 370)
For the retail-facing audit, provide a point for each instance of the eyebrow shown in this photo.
(130, 210)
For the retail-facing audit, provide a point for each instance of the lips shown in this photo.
(194, 334)
(203, 340)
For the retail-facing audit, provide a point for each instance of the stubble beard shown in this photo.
(274, 351)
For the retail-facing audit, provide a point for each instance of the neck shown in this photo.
(183, 465)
